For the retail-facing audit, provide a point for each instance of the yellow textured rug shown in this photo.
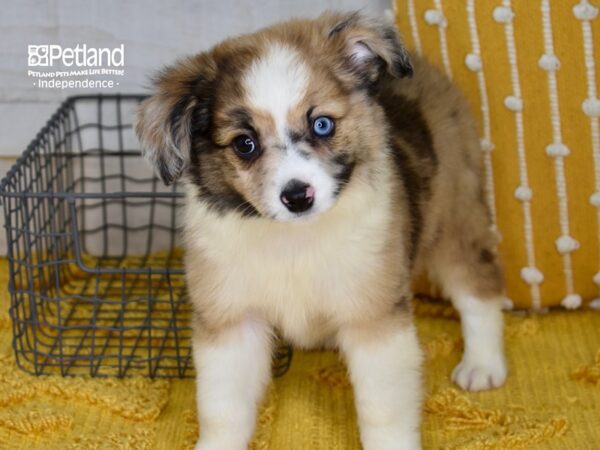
(551, 401)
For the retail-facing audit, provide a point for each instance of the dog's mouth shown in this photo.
(317, 209)
(302, 217)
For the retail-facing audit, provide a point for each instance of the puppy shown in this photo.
(324, 168)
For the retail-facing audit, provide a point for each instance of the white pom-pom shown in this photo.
(513, 103)
(507, 304)
(591, 107)
(549, 62)
(566, 244)
(503, 14)
(571, 301)
(486, 145)
(555, 150)
(523, 193)
(473, 62)
(585, 11)
(435, 17)
(531, 275)
(595, 304)
(596, 278)
(595, 199)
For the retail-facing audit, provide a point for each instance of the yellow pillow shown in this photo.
(528, 70)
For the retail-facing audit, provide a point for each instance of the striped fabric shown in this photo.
(529, 71)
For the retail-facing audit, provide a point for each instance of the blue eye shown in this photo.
(245, 146)
(323, 126)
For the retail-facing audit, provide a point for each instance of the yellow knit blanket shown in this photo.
(551, 400)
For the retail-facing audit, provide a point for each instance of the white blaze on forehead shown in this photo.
(276, 83)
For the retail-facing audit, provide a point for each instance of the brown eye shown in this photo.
(245, 146)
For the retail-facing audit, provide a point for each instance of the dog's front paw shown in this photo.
(216, 444)
(389, 438)
(480, 375)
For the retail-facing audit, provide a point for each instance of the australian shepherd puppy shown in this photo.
(324, 168)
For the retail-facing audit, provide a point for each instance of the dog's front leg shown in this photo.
(233, 367)
(384, 360)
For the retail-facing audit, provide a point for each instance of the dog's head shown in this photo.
(276, 123)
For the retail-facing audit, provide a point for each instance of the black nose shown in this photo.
(297, 196)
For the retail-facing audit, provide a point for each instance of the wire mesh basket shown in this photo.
(96, 273)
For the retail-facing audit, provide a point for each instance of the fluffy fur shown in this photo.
(397, 191)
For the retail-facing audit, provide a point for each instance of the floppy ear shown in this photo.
(180, 106)
(368, 44)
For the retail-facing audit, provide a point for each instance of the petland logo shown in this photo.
(80, 56)
(53, 66)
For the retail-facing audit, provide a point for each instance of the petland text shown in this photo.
(81, 56)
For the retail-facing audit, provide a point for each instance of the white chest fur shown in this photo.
(303, 277)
